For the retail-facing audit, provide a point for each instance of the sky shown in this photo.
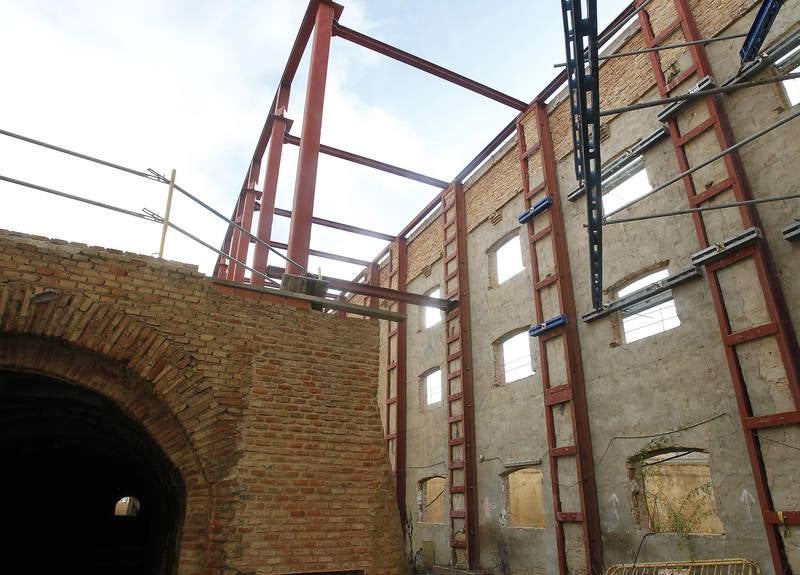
(186, 85)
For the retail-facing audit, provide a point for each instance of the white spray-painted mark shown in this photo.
(614, 500)
(748, 500)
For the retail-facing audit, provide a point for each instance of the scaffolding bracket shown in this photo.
(668, 112)
(536, 209)
(721, 249)
(792, 232)
(760, 28)
(541, 328)
(644, 294)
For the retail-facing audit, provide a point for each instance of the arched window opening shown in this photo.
(673, 492)
(127, 507)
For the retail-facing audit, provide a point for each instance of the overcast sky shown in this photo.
(168, 84)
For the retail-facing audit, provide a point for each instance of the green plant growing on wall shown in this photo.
(670, 515)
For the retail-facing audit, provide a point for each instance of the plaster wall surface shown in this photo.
(670, 390)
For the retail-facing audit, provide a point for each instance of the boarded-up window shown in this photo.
(127, 507)
(524, 506)
(431, 499)
(675, 493)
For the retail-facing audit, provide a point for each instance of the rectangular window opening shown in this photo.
(431, 315)
(790, 64)
(652, 316)
(626, 186)
(433, 387)
(517, 357)
(508, 260)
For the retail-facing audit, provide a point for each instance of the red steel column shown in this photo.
(266, 213)
(305, 183)
(235, 235)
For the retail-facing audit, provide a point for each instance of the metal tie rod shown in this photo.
(77, 154)
(153, 216)
(711, 160)
(200, 202)
(703, 209)
(699, 94)
(663, 47)
(147, 216)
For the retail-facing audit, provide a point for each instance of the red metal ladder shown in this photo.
(559, 345)
(395, 413)
(462, 484)
(779, 324)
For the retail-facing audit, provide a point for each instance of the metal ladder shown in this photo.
(754, 250)
(462, 473)
(558, 344)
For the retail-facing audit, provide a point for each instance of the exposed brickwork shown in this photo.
(267, 410)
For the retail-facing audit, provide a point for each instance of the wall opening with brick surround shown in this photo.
(69, 456)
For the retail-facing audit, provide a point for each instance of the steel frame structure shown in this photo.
(559, 345)
(757, 251)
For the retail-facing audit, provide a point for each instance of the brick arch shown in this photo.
(97, 346)
(118, 334)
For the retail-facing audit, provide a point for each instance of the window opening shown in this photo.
(652, 316)
(674, 493)
(127, 507)
(790, 64)
(433, 387)
(430, 497)
(432, 315)
(524, 505)
(508, 260)
(626, 186)
(515, 357)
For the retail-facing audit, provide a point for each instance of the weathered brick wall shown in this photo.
(266, 408)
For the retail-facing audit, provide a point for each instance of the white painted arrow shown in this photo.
(614, 500)
(748, 500)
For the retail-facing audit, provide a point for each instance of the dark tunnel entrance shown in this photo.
(69, 458)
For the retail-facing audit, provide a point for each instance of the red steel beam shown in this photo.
(279, 126)
(426, 66)
(339, 226)
(376, 291)
(308, 160)
(321, 254)
(370, 163)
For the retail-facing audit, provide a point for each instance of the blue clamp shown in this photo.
(552, 323)
(535, 210)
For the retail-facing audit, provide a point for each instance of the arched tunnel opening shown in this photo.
(70, 458)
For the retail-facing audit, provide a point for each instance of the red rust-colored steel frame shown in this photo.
(374, 291)
(779, 326)
(549, 226)
(396, 380)
(458, 385)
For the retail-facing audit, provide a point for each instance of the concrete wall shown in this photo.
(669, 390)
(265, 407)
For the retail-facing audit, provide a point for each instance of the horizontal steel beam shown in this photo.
(426, 66)
(370, 163)
(377, 291)
(324, 255)
(321, 301)
(339, 226)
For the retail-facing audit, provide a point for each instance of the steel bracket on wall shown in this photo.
(580, 38)
(792, 232)
(727, 246)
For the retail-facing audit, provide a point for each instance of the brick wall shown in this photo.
(265, 407)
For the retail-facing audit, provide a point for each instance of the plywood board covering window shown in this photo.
(431, 497)
(676, 491)
(524, 507)
(652, 316)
